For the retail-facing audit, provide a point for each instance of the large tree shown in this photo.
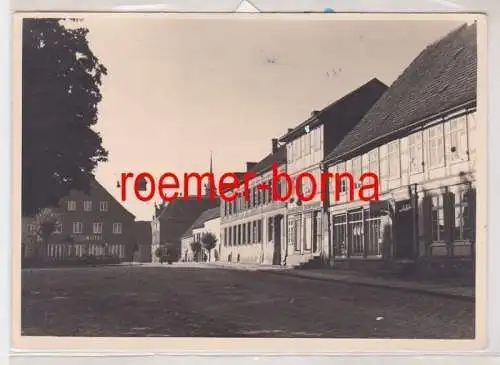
(61, 80)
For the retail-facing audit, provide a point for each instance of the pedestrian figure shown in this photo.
(386, 238)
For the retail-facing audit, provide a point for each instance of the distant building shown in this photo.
(207, 222)
(93, 224)
(143, 238)
(421, 138)
(175, 218)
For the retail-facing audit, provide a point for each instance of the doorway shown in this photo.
(277, 239)
(403, 230)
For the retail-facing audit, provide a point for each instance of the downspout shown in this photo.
(325, 197)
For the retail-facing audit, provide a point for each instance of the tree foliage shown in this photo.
(45, 223)
(61, 80)
(209, 240)
(196, 250)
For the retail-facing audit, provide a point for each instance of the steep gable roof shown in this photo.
(442, 77)
(205, 216)
(184, 206)
(345, 108)
(267, 162)
(97, 186)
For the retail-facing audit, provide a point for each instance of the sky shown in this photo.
(178, 89)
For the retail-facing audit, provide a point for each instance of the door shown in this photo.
(277, 239)
(403, 230)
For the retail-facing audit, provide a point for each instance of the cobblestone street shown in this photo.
(176, 301)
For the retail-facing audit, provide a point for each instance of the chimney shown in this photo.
(314, 113)
(290, 129)
(274, 142)
(250, 165)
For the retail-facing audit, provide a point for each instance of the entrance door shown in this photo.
(277, 240)
(403, 230)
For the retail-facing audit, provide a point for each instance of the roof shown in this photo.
(341, 109)
(205, 216)
(96, 185)
(442, 77)
(267, 162)
(183, 206)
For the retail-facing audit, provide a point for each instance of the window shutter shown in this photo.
(427, 218)
(449, 215)
(470, 216)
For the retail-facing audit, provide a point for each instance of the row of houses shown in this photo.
(419, 136)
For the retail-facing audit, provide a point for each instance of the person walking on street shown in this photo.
(386, 236)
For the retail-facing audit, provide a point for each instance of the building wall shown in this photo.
(245, 231)
(186, 252)
(304, 219)
(425, 158)
(143, 241)
(94, 224)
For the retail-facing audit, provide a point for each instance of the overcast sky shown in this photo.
(179, 88)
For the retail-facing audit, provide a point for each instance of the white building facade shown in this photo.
(253, 229)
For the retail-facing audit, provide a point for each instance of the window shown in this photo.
(317, 139)
(249, 232)
(254, 232)
(259, 231)
(393, 156)
(373, 161)
(244, 232)
(307, 143)
(464, 217)
(230, 237)
(438, 228)
(97, 228)
(87, 205)
(384, 167)
(416, 153)
(356, 171)
(31, 228)
(298, 146)
(71, 205)
(103, 206)
(58, 228)
(436, 146)
(270, 229)
(341, 169)
(117, 228)
(77, 227)
(458, 139)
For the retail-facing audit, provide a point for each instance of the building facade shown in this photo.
(93, 224)
(307, 145)
(420, 138)
(207, 222)
(253, 229)
(171, 223)
(143, 238)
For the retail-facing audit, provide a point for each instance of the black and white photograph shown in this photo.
(293, 176)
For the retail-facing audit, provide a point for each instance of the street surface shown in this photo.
(179, 301)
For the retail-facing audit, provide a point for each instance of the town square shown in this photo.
(361, 140)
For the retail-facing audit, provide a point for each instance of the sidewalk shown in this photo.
(350, 277)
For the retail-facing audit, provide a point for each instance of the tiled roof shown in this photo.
(205, 216)
(442, 77)
(345, 109)
(267, 162)
(185, 206)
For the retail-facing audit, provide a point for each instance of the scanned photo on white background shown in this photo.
(250, 177)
